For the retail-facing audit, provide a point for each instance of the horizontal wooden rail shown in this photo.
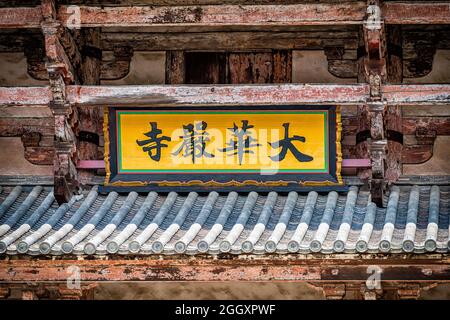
(416, 13)
(272, 94)
(298, 268)
(199, 95)
(229, 15)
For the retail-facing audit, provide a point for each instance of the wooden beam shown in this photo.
(21, 17)
(416, 13)
(223, 15)
(260, 269)
(31, 96)
(408, 95)
(426, 94)
(158, 41)
(218, 94)
(231, 15)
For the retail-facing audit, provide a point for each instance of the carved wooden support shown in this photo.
(114, 69)
(339, 64)
(423, 150)
(376, 112)
(391, 290)
(48, 290)
(373, 69)
(61, 72)
(419, 50)
(5, 292)
(119, 67)
(334, 291)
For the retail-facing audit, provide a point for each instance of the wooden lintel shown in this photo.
(26, 96)
(222, 15)
(409, 12)
(231, 15)
(244, 40)
(407, 95)
(21, 17)
(259, 269)
(218, 94)
(400, 94)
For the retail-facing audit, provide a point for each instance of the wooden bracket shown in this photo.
(48, 290)
(119, 67)
(423, 150)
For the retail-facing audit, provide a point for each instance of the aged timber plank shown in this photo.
(25, 96)
(223, 15)
(264, 269)
(408, 95)
(219, 94)
(416, 13)
(243, 40)
(21, 17)
(418, 94)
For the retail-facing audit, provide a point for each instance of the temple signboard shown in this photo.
(223, 148)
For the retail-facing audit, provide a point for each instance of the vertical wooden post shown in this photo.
(90, 126)
(373, 70)
(61, 72)
(393, 116)
(175, 67)
(363, 133)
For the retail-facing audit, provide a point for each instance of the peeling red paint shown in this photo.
(21, 17)
(266, 269)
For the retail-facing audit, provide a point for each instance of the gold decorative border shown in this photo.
(106, 144)
(232, 183)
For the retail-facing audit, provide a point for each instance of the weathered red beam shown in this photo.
(346, 163)
(267, 269)
(21, 17)
(25, 95)
(404, 94)
(271, 94)
(220, 95)
(230, 15)
(416, 13)
(219, 15)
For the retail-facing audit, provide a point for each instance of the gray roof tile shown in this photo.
(416, 220)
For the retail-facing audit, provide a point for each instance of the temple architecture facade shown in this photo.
(138, 144)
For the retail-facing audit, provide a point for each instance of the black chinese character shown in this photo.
(154, 143)
(286, 144)
(194, 141)
(241, 142)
